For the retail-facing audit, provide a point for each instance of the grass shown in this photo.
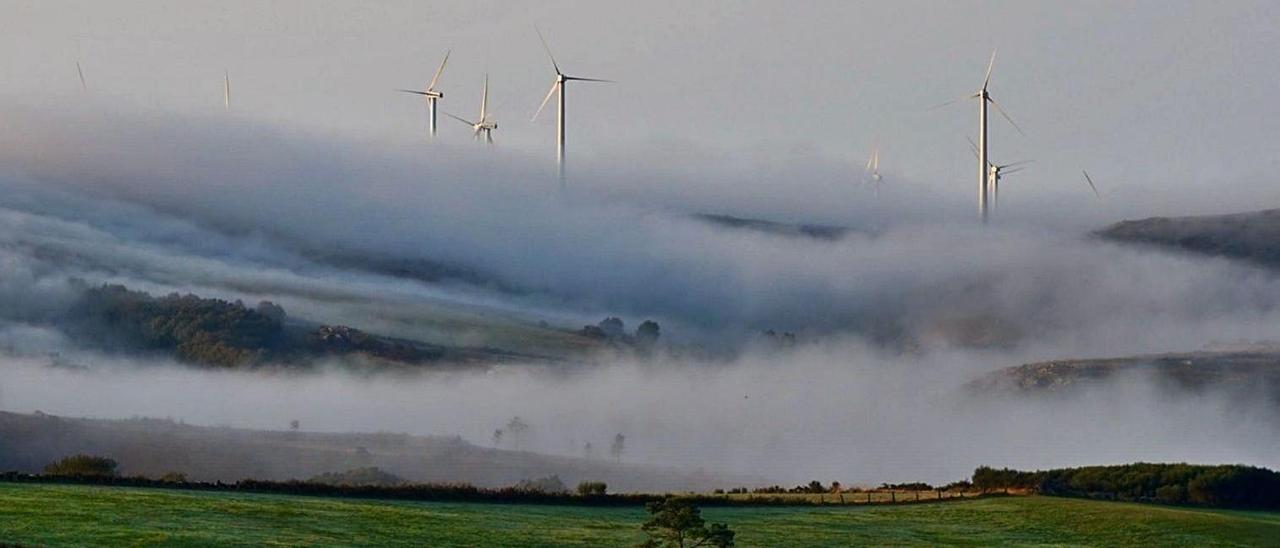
(94, 515)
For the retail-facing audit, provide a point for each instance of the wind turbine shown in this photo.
(430, 92)
(483, 125)
(997, 171)
(984, 97)
(226, 88)
(558, 86)
(873, 169)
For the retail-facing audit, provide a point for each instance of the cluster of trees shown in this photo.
(210, 332)
(82, 466)
(1231, 486)
(218, 333)
(614, 331)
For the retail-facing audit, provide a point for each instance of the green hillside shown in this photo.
(82, 515)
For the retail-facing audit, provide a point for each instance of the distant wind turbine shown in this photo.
(483, 125)
(226, 88)
(559, 86)
(873, 169)
(995, 172)
(984, 177)
(431, 93)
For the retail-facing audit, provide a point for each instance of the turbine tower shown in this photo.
(431, 94)
(557, 88)
(226, 89)
(483, 125)
(984, 97)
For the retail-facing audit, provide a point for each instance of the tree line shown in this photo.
(1227, 485)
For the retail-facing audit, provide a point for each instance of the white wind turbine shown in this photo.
(483, 125)
(984, 176)
(431, 93)
(995, 172)
(559, 86)
(873, 169)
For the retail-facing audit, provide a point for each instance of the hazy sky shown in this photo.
(1158, 97)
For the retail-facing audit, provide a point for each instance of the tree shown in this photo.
(588, 452)
(675, 523)
(294, 425)
(516, 427)
(616, 448)
(647, 334)
(593, 488)
(497, 437)
(82, 465)
(612, 328)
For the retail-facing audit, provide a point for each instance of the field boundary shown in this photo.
(507, 495)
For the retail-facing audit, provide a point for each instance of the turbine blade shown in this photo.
(1006, 115)
(461, 119)
(1014, 170)
(952, 102)
(436, 78)
(990, 65)
(973, 147)
(83, 86)
(484, 99)
(1016, 163)
(548, 48)
(413, 91)
(1089, 180)
(554, 85)
(226, 83)
(589, 79)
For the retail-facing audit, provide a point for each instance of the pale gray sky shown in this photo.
(1153, 95)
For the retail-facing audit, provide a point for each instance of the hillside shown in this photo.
(80, 515)
(1252, 236)
(154, 447)
(1244, 370)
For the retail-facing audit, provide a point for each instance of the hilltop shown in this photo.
(1252, 236)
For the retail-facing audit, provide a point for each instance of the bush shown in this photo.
(82, 465)
(1232, 485)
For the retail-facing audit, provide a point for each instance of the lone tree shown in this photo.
(617, 447)
(647, 334)
(674, 523)
(497, 437)
(82, 465)
(516, 427)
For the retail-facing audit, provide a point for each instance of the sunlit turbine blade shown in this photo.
(589, 79)
(484, 99)
(554, 86)
(1017, 163)
(548, 48)
(436, 78)
(1006, 115)
(1089, 180)
(1004, 172)
(226, 83)
(413, 91)
(990, 65)
(461, 119)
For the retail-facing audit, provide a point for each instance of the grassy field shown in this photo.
(89, 515)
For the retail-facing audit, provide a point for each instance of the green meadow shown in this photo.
(34, 514)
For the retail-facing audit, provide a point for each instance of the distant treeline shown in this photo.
(418, 492)
(219, 333)
(1227, 486)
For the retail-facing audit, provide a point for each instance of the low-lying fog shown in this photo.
(893, 318)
